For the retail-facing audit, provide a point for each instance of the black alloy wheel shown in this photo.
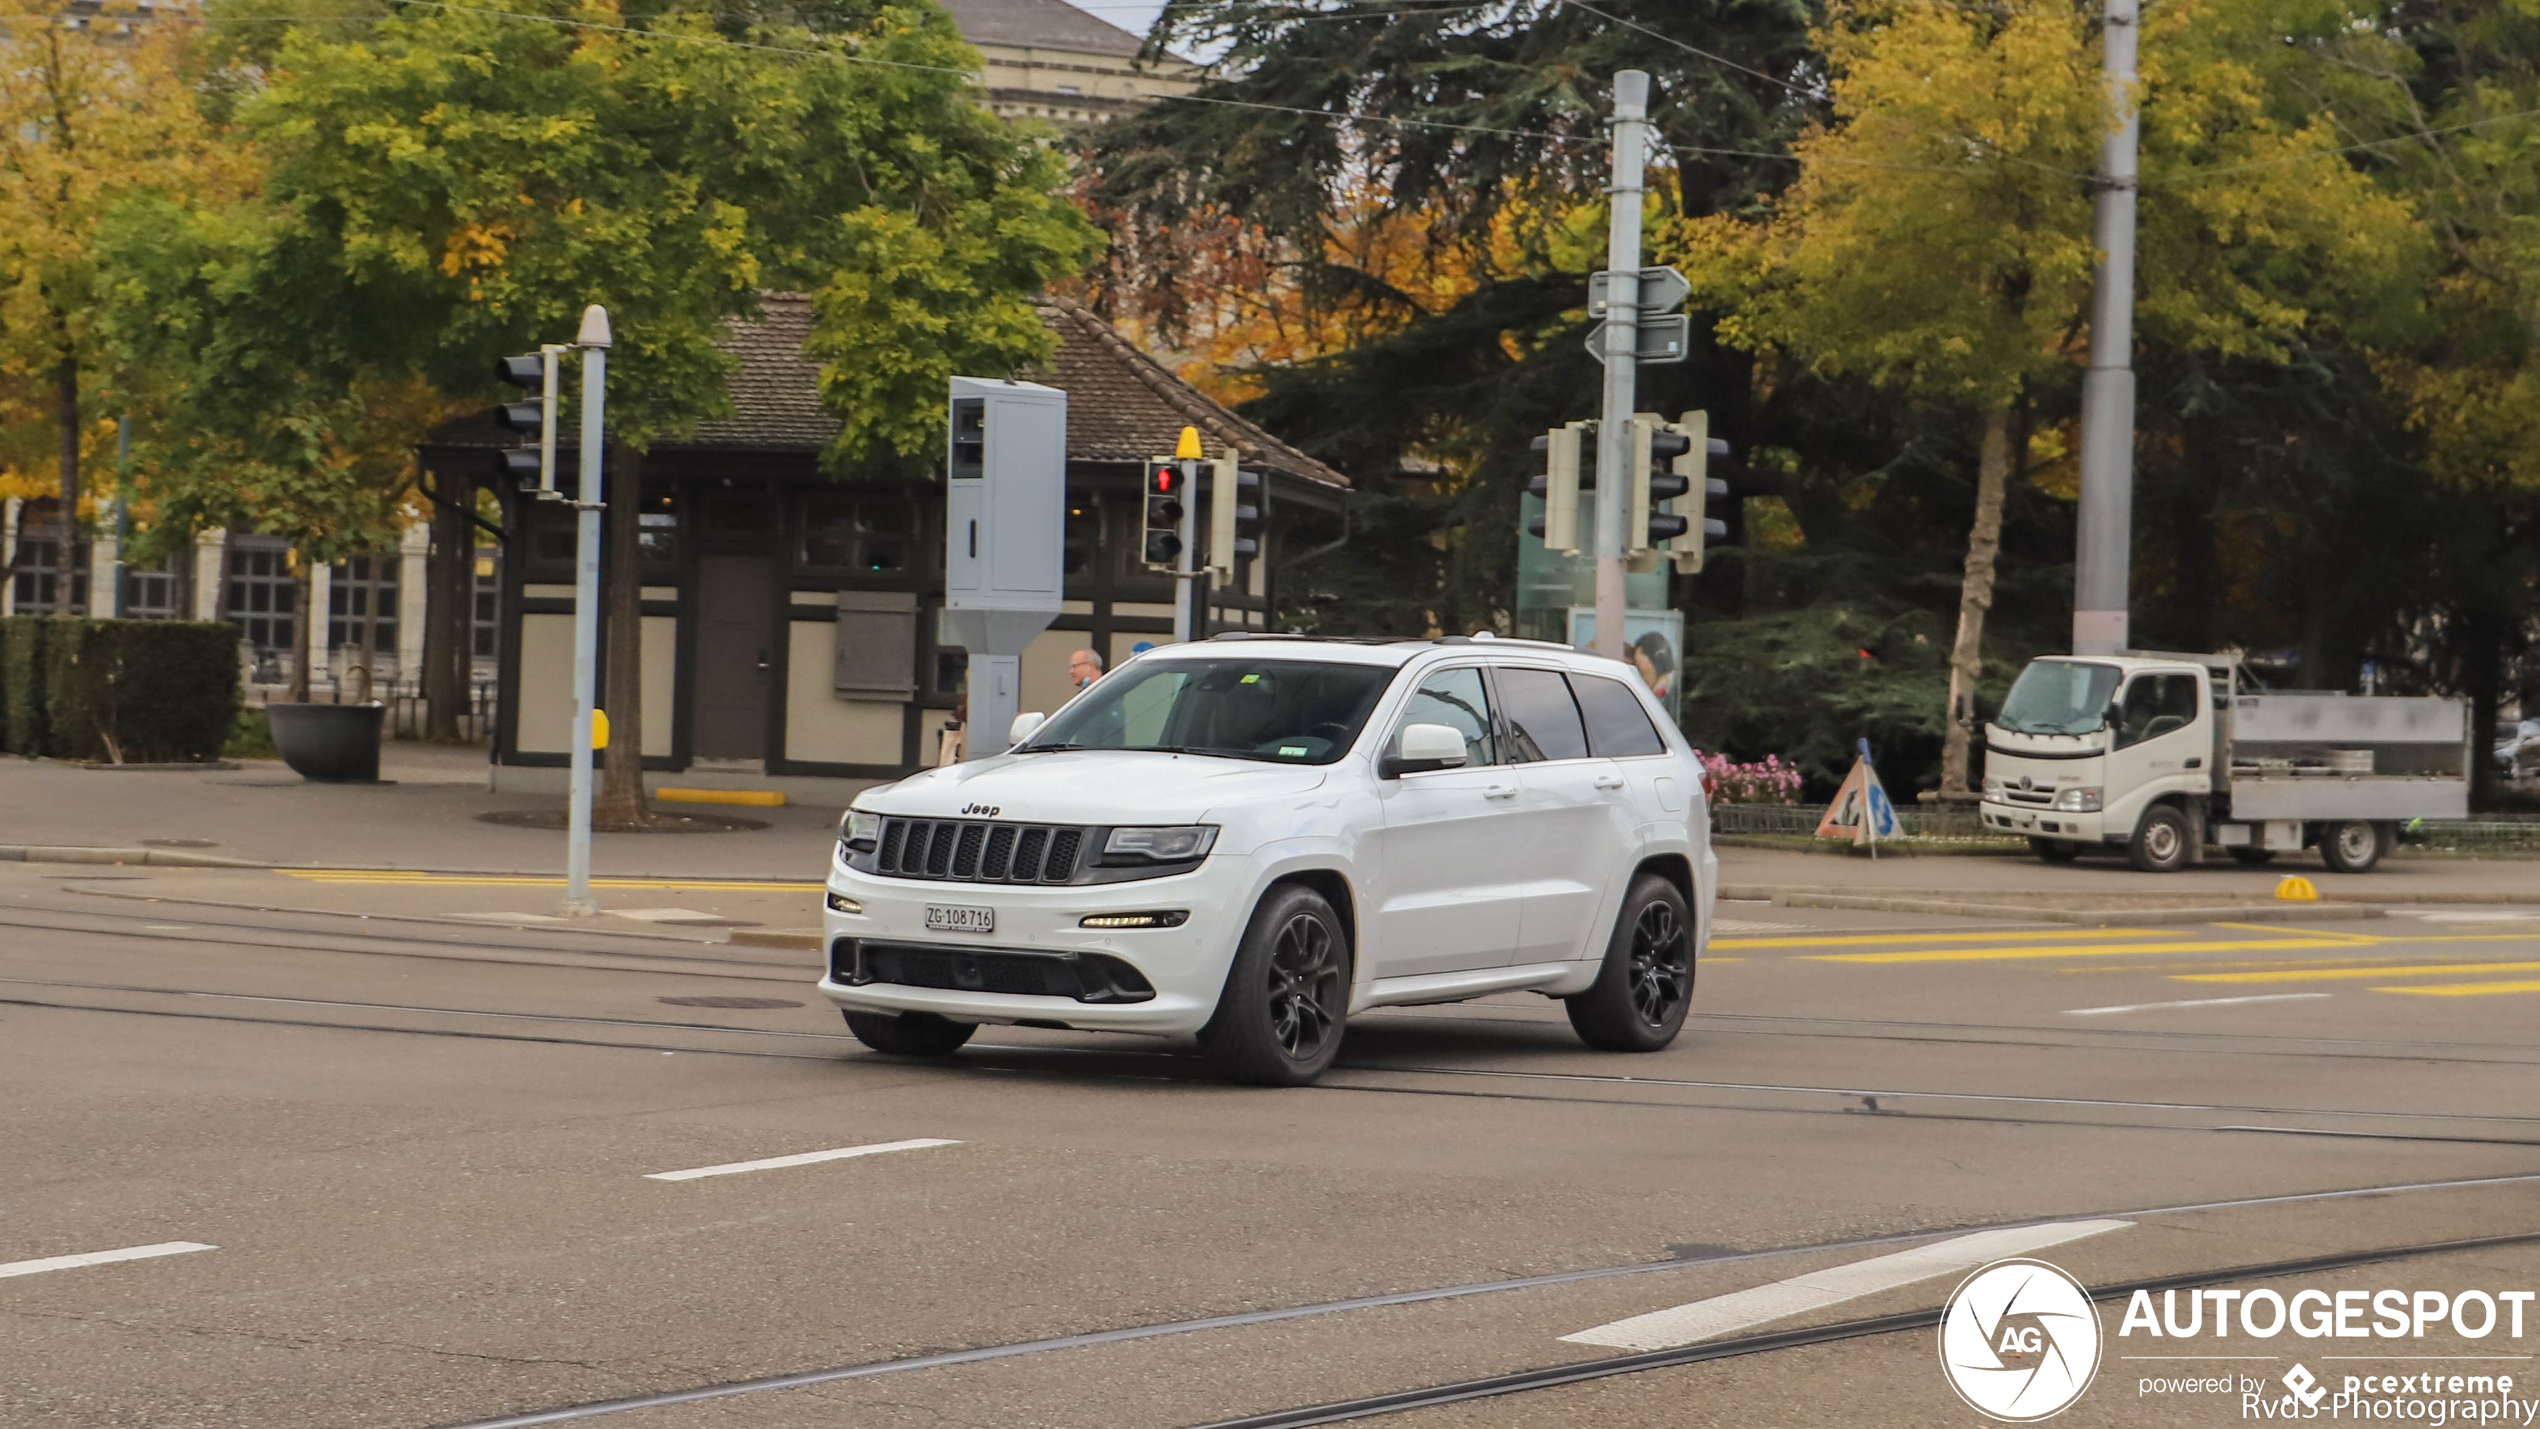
(1639, 999)
(1280, 1019)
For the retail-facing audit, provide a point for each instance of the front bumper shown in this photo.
(1185, 966)
(2037, 821)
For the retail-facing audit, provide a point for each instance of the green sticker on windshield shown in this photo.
(1295, 749)
(1248, 679)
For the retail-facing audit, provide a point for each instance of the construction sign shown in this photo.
(1861, 810)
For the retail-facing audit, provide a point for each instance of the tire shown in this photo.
(1640, 996)
(2254, 857)
(1280, 1017)
(2161, 842)
(2055, 850)
(910, 1034)
(2352, 845)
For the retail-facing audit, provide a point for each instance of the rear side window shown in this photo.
(1543, 721)
(1617, 726)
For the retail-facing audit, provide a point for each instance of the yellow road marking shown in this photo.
(2314, 932)
(2468, 989)
(2327, 974)
(1979, 955)
(393, 879)
(1851, 939)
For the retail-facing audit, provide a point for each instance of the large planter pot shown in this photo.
(328, 742)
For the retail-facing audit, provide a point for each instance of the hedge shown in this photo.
(151, 691)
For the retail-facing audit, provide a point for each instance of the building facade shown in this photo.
(790, 633)
(1048, 60)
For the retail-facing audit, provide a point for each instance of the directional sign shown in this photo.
(1662, 290)
(1661, 339)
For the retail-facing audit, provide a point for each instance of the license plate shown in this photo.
(943, 919)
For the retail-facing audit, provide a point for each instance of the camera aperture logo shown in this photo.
(2019, 1341)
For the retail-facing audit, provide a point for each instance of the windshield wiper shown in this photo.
(1048, 748)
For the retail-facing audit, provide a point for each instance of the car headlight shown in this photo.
(1173, 843)
(861, 832)
(2078, 801)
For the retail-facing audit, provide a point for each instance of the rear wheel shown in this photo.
(2243, 853)
(2160, 842)
(910, 1034)
(1278, 1021)
(1639, 999)
(2352, 845)
(2055, 850)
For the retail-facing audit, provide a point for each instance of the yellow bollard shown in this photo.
(599, 729)
(2297, 889)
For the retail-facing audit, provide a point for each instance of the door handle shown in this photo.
(1609, 781)
(1500, 791)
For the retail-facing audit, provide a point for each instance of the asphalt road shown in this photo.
(426, 1159)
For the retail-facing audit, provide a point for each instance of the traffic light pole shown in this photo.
(2104, 538)
(594, 342)
(1622, 349)
(1185, 578)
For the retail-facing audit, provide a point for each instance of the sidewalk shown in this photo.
(263, 813)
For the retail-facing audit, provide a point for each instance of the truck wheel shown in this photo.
(910, 1034)
(2242, 853)
(1639, 998)
(1278, 1021)
(2160, 841)
(2351, 846)
(2055, 850)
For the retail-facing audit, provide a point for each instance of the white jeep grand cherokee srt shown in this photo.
(1250, 838)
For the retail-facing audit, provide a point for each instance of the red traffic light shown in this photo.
(1160, 480)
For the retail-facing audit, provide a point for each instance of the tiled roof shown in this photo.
(1040, 25)
(1122, 405)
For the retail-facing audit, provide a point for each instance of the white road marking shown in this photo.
(1726, 1314)
(1749, 925)
(667, 915)
(806, 1158)
(2193, 1002)
(2468, 917)
(101, 1257)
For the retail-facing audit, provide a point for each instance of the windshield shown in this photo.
(1278, 711)
(2059, 697)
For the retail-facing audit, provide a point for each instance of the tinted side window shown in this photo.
(1617, 727)
(1543, 721)
(2155, 705)
(1456, 699)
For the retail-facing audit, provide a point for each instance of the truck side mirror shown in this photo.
(1023, 726)
(1425, 747)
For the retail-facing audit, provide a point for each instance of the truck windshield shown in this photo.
(1277, 711)
(2059, 697)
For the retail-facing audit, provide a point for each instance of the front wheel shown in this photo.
(1639, 999)
(2352, 846)
(1278, 1021)
(910, 1034)
(2160, 843)
(2055, 850)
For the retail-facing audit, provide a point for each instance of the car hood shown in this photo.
(1090, 786)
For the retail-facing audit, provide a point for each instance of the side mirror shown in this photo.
(1425, 747)
(1023, 726)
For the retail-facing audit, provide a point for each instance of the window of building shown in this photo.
(1084, 534)
(260, 596)
(736, 513)
(488, 591)
(867, 532)
(154, 592)
(361, 605)
(45, 584)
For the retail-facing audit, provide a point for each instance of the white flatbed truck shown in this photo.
(2161, 754)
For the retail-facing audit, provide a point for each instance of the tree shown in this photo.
(450, 184)
(1937, 237)
(96, 107)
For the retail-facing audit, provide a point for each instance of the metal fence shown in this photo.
(2499, 833)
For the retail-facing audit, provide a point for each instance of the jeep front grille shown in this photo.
(976, 851)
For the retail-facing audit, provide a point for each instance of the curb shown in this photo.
(2254, 913)
(802, 939)
(161, 857)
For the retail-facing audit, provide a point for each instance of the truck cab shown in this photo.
(2159, 754)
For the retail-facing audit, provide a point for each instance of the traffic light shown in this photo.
(1559, 487)
(1653, 441)
(1234, 515)
(1700, 490)
(533, 466)
(1165, 501)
